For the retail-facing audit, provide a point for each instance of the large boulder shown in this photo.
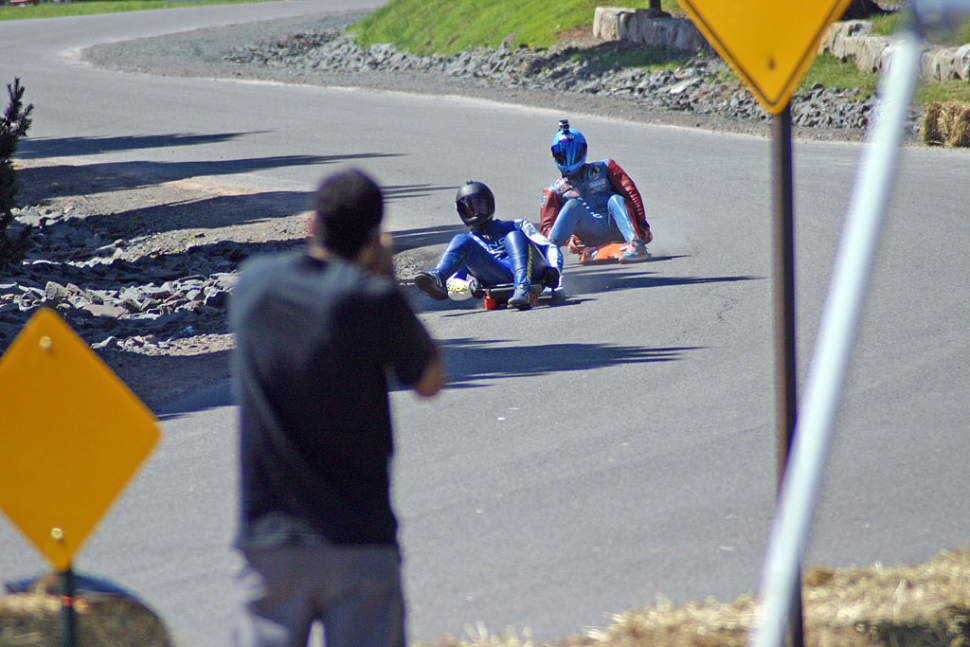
(614, 23)
(843, 39)
(641, 26)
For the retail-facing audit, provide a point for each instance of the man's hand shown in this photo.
(433, 378)
(378, 256)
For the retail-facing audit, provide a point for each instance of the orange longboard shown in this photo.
(603, 254)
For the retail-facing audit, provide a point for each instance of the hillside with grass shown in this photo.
(444, 27)
(450, 26)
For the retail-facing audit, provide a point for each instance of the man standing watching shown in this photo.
(318, 332)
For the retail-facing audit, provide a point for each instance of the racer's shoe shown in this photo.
(575, 245)
(522, 297)
(636, 252)
(431, 284)
(551, 278)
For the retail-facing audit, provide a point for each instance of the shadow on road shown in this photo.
(395, 192)
(605, 278)
(207, 213)
(424, 237)
(76, 146)
(68, 179)
(472, 362)
(211, 397)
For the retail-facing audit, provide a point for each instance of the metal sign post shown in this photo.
(68, 626)
(785, 362)
(840, 318)
(770, 55)
(784, 261)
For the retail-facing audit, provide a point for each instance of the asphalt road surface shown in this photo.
(588, 457)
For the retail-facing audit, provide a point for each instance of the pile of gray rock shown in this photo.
(129, 298)
(702, 85)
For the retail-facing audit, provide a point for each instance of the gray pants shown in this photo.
(354, 591)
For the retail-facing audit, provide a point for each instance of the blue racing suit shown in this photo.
(502, 252)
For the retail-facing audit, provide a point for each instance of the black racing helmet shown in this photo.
(475, 203)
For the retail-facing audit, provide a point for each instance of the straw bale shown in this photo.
(926, 605)
(948, 114)
(106, 620)
(946, 124)
(960, 128)
(930, 131)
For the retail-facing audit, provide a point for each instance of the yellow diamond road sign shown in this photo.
(770, 44)
(71, 437)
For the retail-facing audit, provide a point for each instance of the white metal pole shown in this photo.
(840, 318)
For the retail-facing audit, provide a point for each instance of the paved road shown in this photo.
(585, 458)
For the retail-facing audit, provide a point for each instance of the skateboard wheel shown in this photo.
(533, 299)
(490, 303)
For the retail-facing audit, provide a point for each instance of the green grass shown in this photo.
(58, 10)
(450, 26)
(943, 92)
(833, 73)
(889, 24)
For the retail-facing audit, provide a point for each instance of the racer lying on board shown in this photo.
(494, 252)
(593, 204)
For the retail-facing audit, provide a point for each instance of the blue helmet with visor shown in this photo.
(568, 148)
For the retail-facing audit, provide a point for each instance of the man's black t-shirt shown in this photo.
(315, 341)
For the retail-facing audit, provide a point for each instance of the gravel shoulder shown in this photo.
(161, 367)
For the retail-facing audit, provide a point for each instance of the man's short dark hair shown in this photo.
(348, 207)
